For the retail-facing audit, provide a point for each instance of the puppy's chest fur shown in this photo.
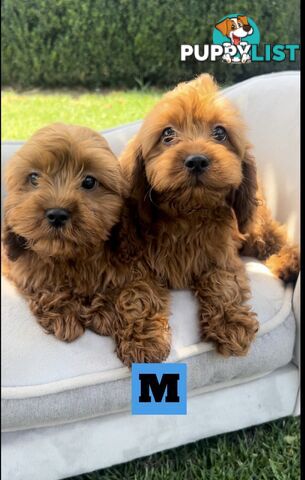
(78, 276)
(183, 249)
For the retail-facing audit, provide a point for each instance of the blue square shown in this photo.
(158, 389)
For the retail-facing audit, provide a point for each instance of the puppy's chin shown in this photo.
(192, 197)
(182, 193)
(62, 248)
(60, 244)
(73, 241)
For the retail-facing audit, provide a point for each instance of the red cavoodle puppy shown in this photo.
(194, 204)
(64, 195)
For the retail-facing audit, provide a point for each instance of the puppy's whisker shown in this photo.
(149, 193)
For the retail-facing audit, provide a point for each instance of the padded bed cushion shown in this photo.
(47, 382)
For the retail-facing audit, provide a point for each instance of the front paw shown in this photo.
(235, 334)
(65, 327)
(239, 333)
(147, 345)
(68, 329)
(142, 332)
(98, 314)
(58, 315)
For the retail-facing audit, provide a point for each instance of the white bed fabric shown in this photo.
(89, 380)
(48, 383)
(62, 451)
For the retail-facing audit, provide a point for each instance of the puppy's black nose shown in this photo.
(196, 163)
(247, 28)
(57, 217)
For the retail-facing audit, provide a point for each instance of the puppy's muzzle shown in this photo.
(196, 164)
(57, 217)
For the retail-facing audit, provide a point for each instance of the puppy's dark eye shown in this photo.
(89, 183)
(33, 179)
(168, 135)
(220, 134)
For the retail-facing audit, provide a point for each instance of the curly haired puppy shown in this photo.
(64, 194)
(193, 194)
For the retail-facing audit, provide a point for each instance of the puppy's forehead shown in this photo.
(67, 153)
(193, 113)
(191, 108)
(54, 155)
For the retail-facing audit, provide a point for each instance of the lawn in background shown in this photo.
(267, 452)
(24, 113)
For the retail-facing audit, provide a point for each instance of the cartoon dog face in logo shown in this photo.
(235, 28)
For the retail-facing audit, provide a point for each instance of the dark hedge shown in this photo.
(127, 43)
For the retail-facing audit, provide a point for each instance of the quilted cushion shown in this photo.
(47, 382)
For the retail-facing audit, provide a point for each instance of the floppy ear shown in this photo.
(244, 200)
(141, 190)
(243, 19)
(138, 188)
(223, 27)
(14, 245)
(126, 239)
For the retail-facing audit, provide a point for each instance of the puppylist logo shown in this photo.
(236, 39)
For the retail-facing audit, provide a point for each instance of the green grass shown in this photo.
(24, 113)
(267, 452)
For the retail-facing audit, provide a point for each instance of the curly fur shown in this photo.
(72, 276)
(64, 273)
(188, 233)
(266, 239)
